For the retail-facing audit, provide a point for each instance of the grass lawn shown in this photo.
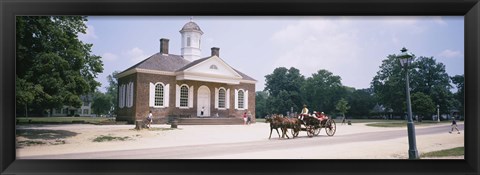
(458, 151)
(61, 120)
(398, 123)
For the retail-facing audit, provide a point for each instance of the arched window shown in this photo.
(189, 41)
(213, 66)
(240, 99)
(221, 98)
(184, 96)
(159, 95)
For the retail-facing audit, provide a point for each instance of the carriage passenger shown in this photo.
(321, 116)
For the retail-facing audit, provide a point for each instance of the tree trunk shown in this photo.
(138, 124)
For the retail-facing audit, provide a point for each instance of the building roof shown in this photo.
(173, 63)
(161, 62)
(191, 26)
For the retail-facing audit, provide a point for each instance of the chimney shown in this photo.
(164, 46)
(216, 51)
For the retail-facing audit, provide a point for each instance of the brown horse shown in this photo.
(290, 123)
(274, 124)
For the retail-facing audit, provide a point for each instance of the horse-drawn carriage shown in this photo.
(313, 126)
(310, 124)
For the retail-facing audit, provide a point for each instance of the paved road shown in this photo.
(207, 150)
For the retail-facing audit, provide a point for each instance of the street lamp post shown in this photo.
(438, 113)
(405, 60)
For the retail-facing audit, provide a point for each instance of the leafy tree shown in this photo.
(261, 104)
(422, 104)
(431, 78)
(389, 84)
(284, 87)
(361, 102)
(342, 106)
(101, 103)
(112, 91)
(426, 76)
(459, 81)
(53, 66)
(322, 90)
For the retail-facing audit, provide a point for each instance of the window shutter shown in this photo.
(166, 95)
(216, 98)
(131, 95)
(177, 97)
(190, 97)
(122, 93)
(151, 95)
(124, 103)
(120, 96)
(245, 101)
(227, 99)
(236, 99)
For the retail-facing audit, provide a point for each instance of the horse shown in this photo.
(290, 123)
(274, 124)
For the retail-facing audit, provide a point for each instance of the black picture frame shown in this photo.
(470, 9)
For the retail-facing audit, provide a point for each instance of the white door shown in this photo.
(203, 101)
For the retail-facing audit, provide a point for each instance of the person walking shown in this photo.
(454, 126)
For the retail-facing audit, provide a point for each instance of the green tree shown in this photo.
(112, 91)
(422, 104)
(323, 90)
(426, 76)
(389, 84)
(342, 107)
(361, 102)
(261, 104)
(431, 78)
(284, 87)
(101, 103)
(459, 81)
(55, 65)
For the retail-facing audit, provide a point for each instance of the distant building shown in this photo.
(186, 84)
(84, 111)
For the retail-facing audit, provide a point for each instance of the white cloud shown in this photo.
(449, 54)
(311, 45)
(439, 20)
(89, 34)
(109, 56)
(136, 55)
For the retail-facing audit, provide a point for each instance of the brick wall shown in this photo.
(141, 107)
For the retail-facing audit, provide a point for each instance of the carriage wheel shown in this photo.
(330, 127)
(317, 130)
(310, 130)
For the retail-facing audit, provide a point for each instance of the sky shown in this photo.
(351, 47)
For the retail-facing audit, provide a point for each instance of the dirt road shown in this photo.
(247, 142)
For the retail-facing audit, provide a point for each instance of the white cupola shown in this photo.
(191, 37)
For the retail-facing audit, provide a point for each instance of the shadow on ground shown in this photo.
(44, 134)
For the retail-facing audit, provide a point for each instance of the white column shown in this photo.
(166, 95)
(151, 95)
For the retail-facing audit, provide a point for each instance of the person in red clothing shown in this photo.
(321, 116)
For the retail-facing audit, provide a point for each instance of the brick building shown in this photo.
(184, 85)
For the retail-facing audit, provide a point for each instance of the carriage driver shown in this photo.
(304, 112)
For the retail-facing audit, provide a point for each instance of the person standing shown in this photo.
(244, 118)
(454, 126)
(149, 119)
(203, 109)
(249, 117)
